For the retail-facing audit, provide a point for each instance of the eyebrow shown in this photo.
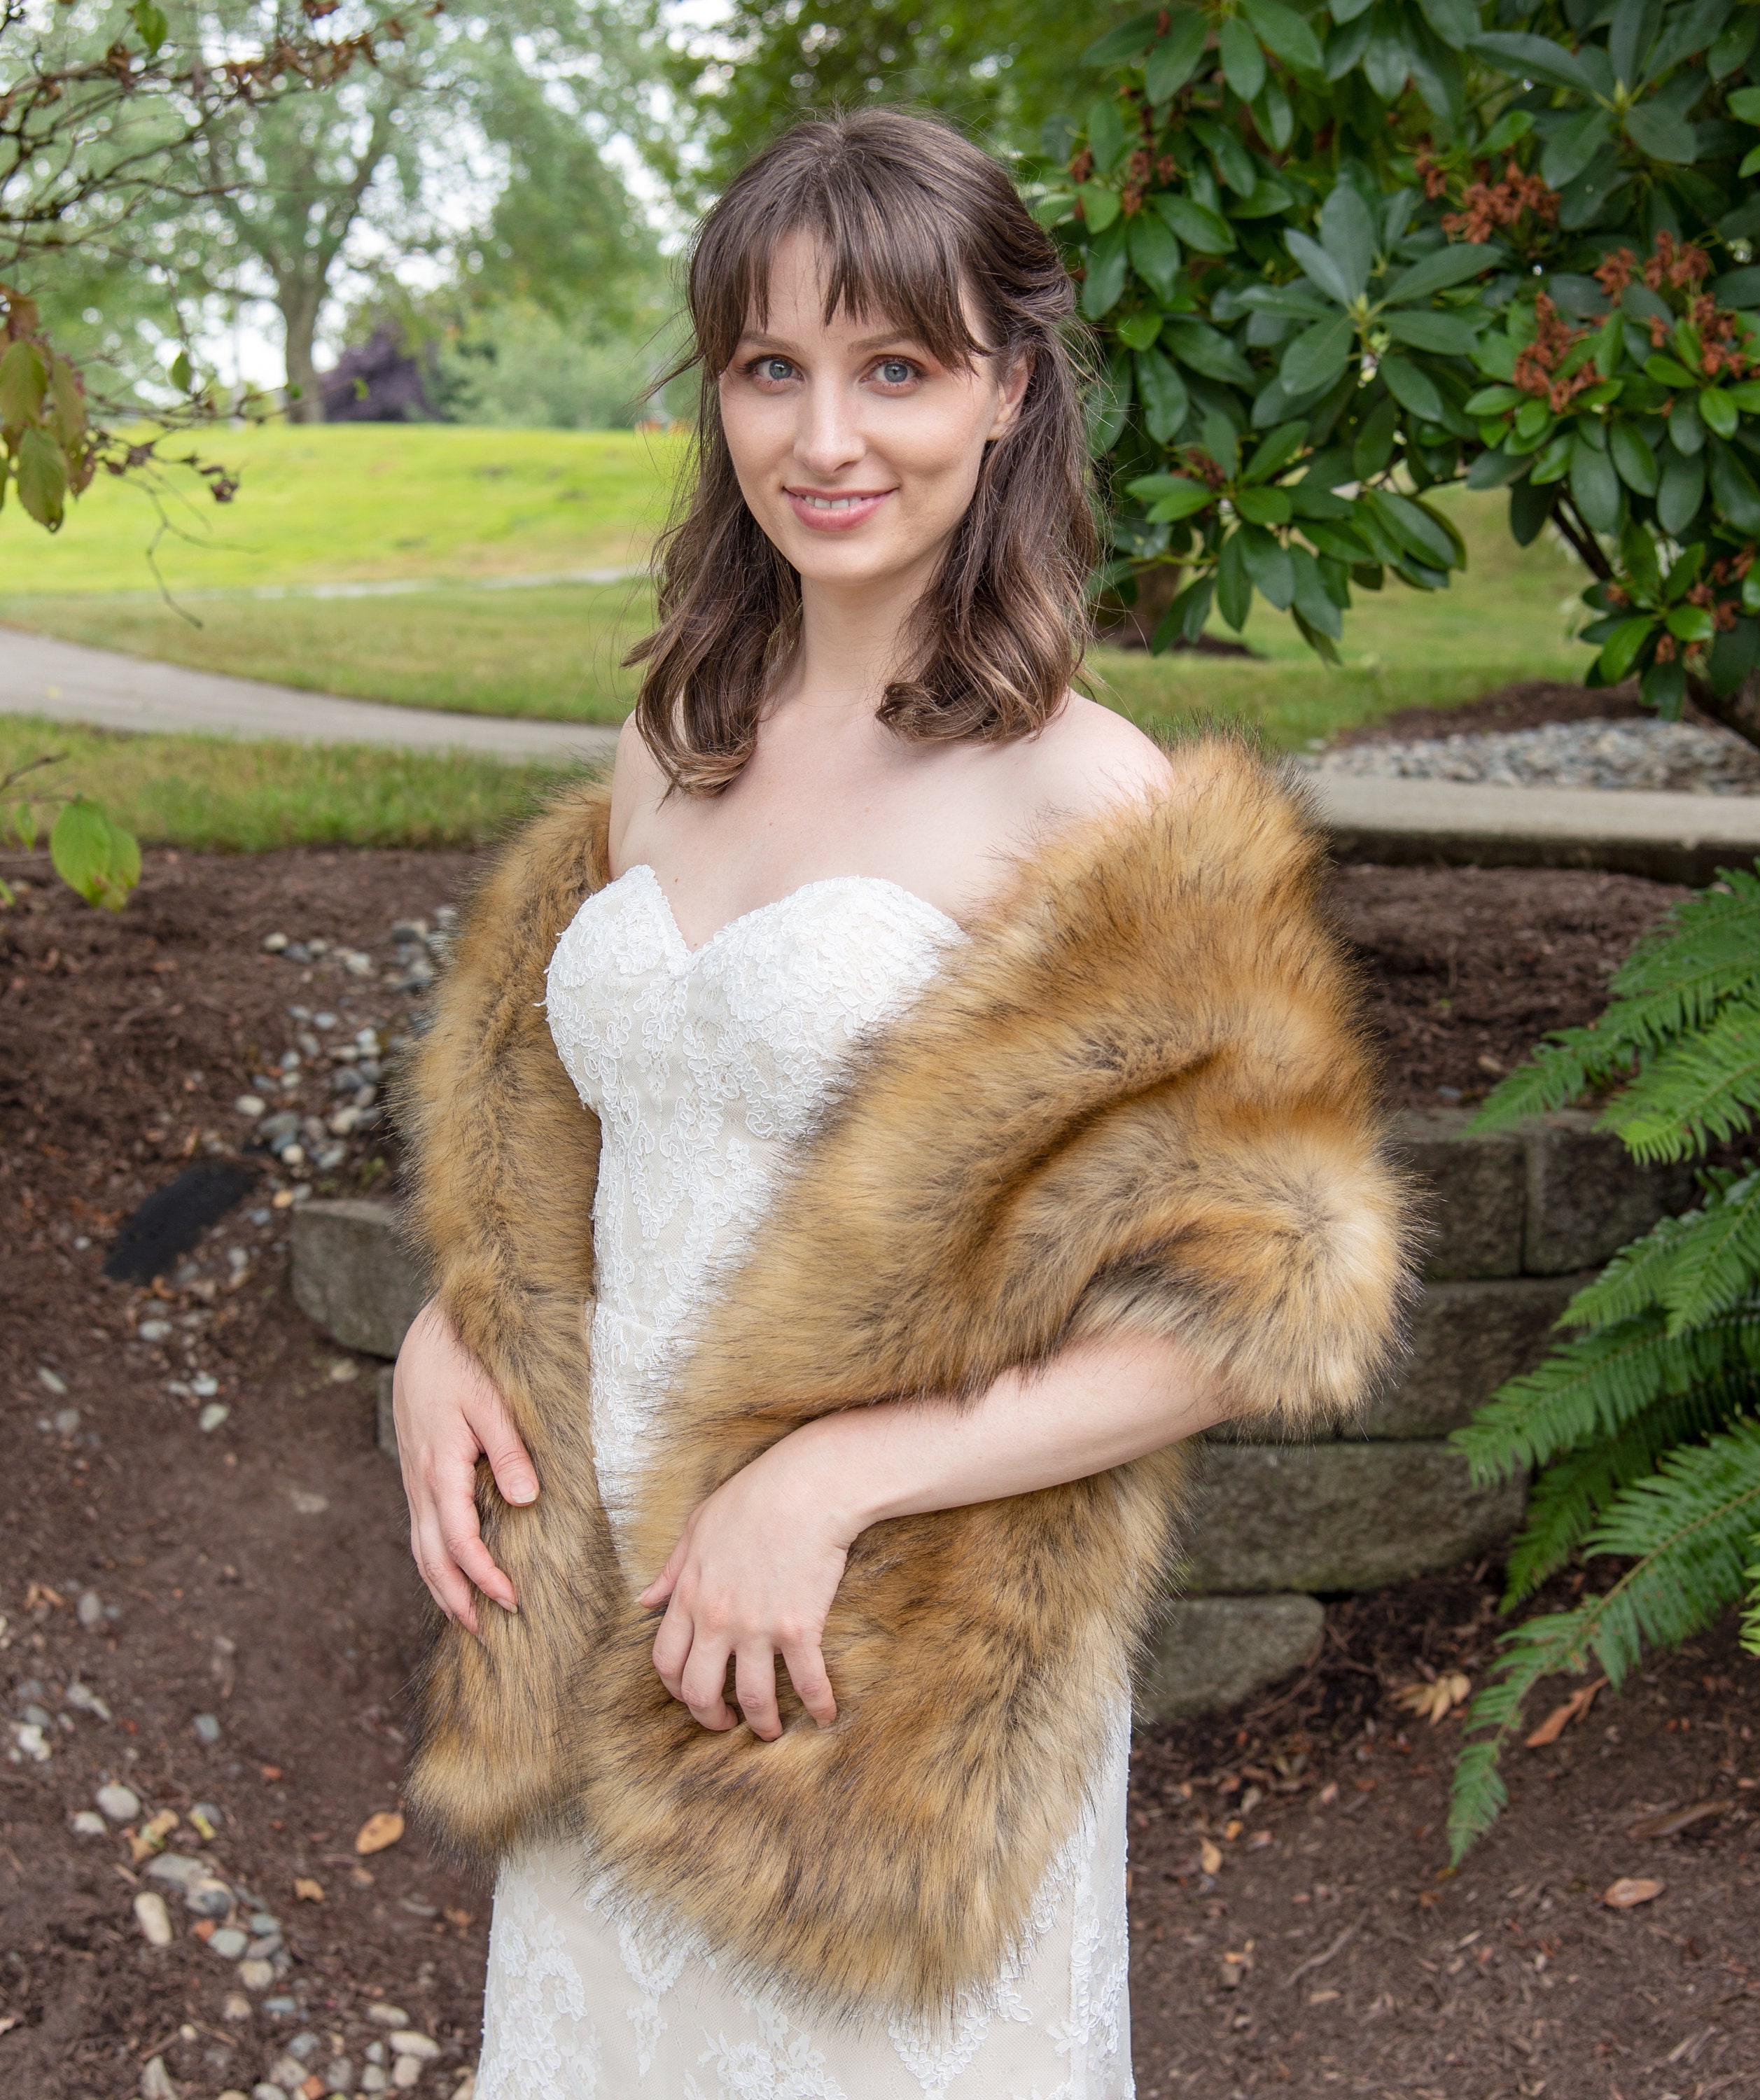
(762, 338)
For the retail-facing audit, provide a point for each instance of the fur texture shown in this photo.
(1135, 1099)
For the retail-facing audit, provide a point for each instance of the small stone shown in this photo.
(338, 2076)
(343, 1121)
(261, 1216)
(236, 2007)
(52, 1380)
(32, 1743)
(264, 1920)
(82, 1696)
(153, 1331)
(153, 1918)
(91, 1613)
(373, 2079)
(208, 1898)
(155, 2080)
(263, 2090)
(292, 1155)
(274, 943)
(388, 2016)
(367, 1042)
(178, 1868)
(343, 1370)
(317, 945)
(207, 1727)
(66, 1421)
(296, 951)
(289, 2073)
(466, 2086)
(204, 1385)
(330, 1158)
(406, 2072)
(212, 1416)
(324, 1021)
(265, 1948)
(250, 1106)
(120, 1803)
(88, 1823)
(228, 1943)
(409, 2041)
(280, 1129)
(284, 2009)
(258, 1975)
(308, 1503)
(37, 1716)
(305, 2045)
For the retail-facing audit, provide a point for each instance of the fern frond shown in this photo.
(1690, 1526)
(1695, 1092)
(1569, 1064)
(1593, 1385)
(1716, 1261)
(1751, 1616)
(1569, 1496)
(1637, 1279)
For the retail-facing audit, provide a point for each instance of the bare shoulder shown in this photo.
(637, 784)
(1088, 760)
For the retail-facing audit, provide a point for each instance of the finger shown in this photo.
(446, 1585)
(488, 1414)
(805, 1662)
(662, 1586)
(451, 1498)
(704, 1681)
(477, 1563)
(671, 1649)
(755, 1688)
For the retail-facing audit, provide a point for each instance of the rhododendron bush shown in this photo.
(1341, 258)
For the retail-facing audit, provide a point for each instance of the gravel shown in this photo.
(1678, 757)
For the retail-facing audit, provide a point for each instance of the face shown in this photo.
(857, 451)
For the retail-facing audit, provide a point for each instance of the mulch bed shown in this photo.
(1527, 705)
(259, 1573)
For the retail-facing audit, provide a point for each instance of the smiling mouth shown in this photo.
(815, 500)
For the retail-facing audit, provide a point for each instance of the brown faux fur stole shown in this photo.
(1135, 1099)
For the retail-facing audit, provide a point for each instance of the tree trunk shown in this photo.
(1740, 712)
(299, 301)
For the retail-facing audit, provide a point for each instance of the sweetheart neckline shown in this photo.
(775, 904)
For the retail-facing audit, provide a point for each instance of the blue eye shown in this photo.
(895, 372)
(775, 368)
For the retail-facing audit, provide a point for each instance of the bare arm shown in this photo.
(755, 1574)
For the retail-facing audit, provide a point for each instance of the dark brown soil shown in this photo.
(259, 1573)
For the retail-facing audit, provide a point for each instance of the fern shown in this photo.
(1644, 1426)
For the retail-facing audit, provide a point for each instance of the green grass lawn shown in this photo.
(345, 502)
(217, 794)
(468, 510)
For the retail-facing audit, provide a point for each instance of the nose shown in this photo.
(828, 436)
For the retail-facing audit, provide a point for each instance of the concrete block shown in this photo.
(386, 1428)
(1473, 1193)
(1337, 1516)
(352, 1276)
(1587, 1196)
(1467, 1338)
(1209, 1654)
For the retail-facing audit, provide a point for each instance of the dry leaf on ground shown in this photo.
(1452, 1689)
(1629, 1891)
(307, 1890)
(1210, 1854)
(1667, 1821)
(1573, 1708)
(379, 1831)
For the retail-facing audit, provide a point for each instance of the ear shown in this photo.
(1011, 394)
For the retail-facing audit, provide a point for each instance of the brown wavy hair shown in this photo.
(910, 217)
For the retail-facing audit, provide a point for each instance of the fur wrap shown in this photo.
(1136, 1100)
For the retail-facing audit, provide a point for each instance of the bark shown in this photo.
(299, 301)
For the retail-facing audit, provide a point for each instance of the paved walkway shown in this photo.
(1673, 838)
(69, 682)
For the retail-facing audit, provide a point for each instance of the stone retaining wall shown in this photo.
(1518, 1223)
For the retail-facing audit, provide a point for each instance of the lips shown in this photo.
(826, 510)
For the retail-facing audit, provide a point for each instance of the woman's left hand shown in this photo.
(753, 1576)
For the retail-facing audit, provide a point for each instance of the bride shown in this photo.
(943, 1104)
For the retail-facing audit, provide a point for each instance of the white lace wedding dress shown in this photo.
(704, 1066)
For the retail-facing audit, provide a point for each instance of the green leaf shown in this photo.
(1154, 253)
(1664, 687)
(1745, 103)
(1494, 401)
(1345, 45)
(1621, 650)
(1496, 469)
(1234, 164)
(1263, 506)
(1686, 430)
(1162, 391)
(1669, 372)
(1196, 224)
(1571, 148)
(1139, 330)
(1171, 496)
(1124, 43)
(1680, 492)
(1268, 564)
(1530, 509)
(1281, 30)
(1175, 59)
(1535, 58)
(1275, 452)
(1234, 586)
(150, 25)
(1374, 442)
(1387, 58)
(1455, 21)
(1276, 119)
(1243, 62)
(1594, 486)
(1446, 334)
(42, 472)
(1101, 206)
(1105, 132)
(1733, 656)
(1347, 234)
(1312, 599)
(1207, 351)
(1659, 132)
(1414, 527)
(1732, 44)
(24, 382)
(1107, 262)
(1411, 388)
(1632, 459)
(1317, 355)
(1690, 623)
(1347, 10)
(1637, 551)
(1512, 125)
(1718, 412)
(94, 857)
(1109, 404)
(1436, 272)
(1319, 268)
(1732, 489)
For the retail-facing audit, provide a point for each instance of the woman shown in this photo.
(949, 1106)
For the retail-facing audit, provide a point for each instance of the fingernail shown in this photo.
(523, 1491)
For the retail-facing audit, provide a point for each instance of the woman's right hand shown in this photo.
(449, 1413)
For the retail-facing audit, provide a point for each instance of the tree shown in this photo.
(1339, 259)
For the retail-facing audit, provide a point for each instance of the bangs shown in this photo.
(889, 248)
